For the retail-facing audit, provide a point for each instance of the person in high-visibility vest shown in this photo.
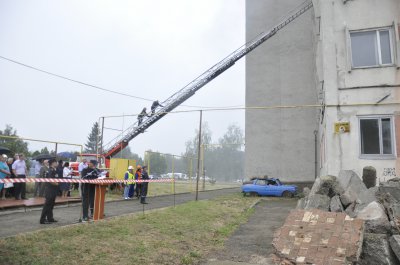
(129, 176)
(138, 176)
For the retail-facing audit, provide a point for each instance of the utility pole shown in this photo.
(198, 157)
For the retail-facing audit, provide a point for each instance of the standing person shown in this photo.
(138, 176)
(81, 167)
(145, 185)
(20, 171)
(67, 174)
(10, 191)
(88, 189)
(43, 174)
(129, 176)
(4, 171)
(154, 107)
(38, 166)
(50, 195)
(60, 175)
(142, 115)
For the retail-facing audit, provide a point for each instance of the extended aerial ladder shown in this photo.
(120, 142)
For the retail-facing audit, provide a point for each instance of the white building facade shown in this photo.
(358, 64)
(354, 48)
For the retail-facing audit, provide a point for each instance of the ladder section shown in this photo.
(121, 141)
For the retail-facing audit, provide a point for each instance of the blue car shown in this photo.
(268, 187)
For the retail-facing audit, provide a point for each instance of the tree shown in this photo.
(192, 145)
(158, 163)
(233, 138)
(224, 161)
(90, 146)
(128, 154)
(43, 151)
(15, 145)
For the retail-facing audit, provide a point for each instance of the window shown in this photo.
(376, 134)
(371, 48)
(262, 182)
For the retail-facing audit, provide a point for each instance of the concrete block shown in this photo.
(394, 242)
(336, 204)
(348, 197)
(376, 220)
(348, 179)
(306, 191)
(326, 185)
(376, 250)
(301, 203)
(318, 201)
(391, 188)
(369, 177)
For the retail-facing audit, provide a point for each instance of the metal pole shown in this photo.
(56, 149)
(173, 176)
(198, 157)
(101, 137)
(315, 154)
(202, 167)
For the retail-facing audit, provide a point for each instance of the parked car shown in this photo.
(268, 187)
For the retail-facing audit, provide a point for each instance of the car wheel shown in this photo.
(244, 194)
(287, 194)
(253, 194)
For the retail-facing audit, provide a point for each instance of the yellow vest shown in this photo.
(130, 177)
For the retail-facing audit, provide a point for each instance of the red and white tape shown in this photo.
(94, 181)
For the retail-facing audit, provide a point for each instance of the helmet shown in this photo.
(130, 167)
(138, 167)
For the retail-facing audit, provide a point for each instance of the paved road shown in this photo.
(251, 243)
(21, 222)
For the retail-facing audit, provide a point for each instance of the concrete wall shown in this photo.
(280, 72)
(344, 85)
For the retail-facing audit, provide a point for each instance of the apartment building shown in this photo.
(344, 55)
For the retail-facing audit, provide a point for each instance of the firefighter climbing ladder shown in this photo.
(118, 143)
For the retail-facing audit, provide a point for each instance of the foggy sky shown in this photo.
(146, 48)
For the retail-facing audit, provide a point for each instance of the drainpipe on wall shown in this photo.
(315, 153)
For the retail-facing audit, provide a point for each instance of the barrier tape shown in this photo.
(95, 181)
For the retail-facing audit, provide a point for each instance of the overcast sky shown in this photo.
(148, 48)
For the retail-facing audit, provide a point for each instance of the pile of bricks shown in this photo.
(318, 237)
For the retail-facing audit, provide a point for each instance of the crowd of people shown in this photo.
(135, 188)
(16, 167)
(51, 168)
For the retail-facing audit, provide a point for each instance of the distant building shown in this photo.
(342, 52)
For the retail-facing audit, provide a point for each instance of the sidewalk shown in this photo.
(22, 222)
(251, 243)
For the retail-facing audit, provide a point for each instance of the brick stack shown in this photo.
(318, 237)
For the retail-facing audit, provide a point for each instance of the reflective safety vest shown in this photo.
(130, 177)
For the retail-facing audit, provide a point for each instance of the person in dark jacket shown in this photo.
(59, 171)
(142, 115)
(138, 176)
(145, 185)
(88, 189)
(154, 106)
(51, 190)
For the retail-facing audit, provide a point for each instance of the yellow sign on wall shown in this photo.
(342, 127)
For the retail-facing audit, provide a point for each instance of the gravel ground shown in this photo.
(251, 243)
(17, 221)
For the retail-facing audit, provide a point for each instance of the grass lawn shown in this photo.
(181, 235)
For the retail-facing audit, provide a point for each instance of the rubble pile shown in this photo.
(377, 206)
